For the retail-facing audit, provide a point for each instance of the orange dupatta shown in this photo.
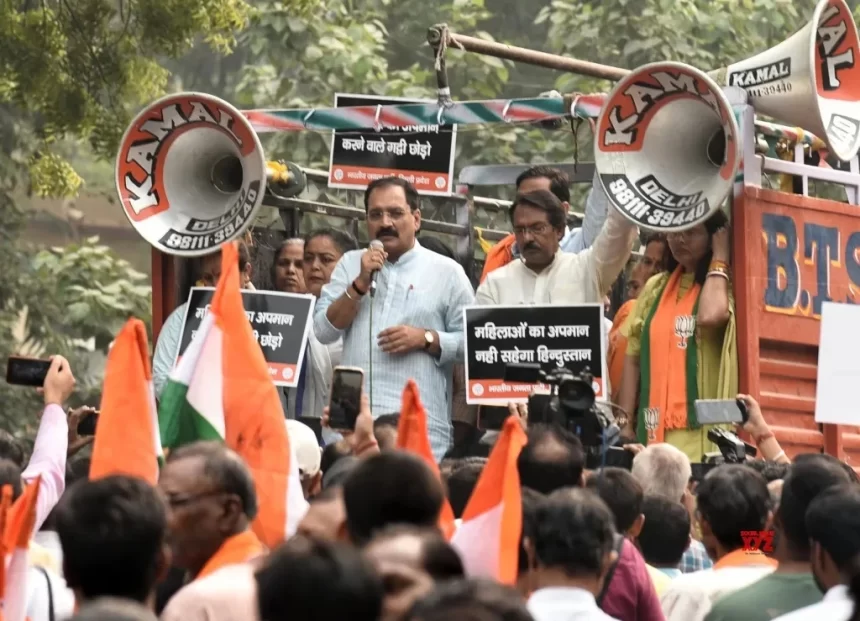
(668, 362)
(618, 347)
(237, 549)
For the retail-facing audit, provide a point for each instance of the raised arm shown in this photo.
(613, 245)
(714, 307)
(596, 209)
(52, 441)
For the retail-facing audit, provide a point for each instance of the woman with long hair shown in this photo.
(681, 341)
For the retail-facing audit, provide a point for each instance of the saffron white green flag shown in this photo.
(221, 390)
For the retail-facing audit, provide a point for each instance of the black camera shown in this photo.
(733, 450)
(571, 404)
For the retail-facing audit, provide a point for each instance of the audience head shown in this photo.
(623, 495)
(323, 249)
(410, 561)
(10, 474)
(393, 214)
(308, 579)
(663, 470)
(210, 496)
(113, 532)
(461, 480)
(665, 535)
(770, 470)
(385, 431)
(332, 453)
(552, 459)
(394, 487)
(325, 518)
(470, 600)
(531, 503)
(652, 262)
(573, 539)
(288, 266)
(209, 267)
(810, 475)
(731, 499)
(339, 472)
(306, 448)
(833, 526)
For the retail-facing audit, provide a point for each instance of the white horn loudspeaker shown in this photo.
(667, 148)
(191, 174)
(810, 80)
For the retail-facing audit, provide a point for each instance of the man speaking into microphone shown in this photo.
(412, 324)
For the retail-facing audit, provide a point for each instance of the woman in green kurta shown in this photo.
(681, 341)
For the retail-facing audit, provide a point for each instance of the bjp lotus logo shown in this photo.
(652, 420)
(685, 327)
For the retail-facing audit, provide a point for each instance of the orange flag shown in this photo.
(412, 436)
(20, 523)
(127, 439)
(5, 502)
(488, 540)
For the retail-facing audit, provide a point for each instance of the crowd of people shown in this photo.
(667, 539)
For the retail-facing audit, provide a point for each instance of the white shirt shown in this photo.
(837, 605)
(565, 604)
(39, 600)
(571, 279)
(691, 595)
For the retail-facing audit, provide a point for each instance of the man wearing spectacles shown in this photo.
(211, 502)
(546, 275)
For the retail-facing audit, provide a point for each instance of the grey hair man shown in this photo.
(665, 471)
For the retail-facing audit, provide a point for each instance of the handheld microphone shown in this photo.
(374, 245)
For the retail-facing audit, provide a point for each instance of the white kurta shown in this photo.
(582, 278)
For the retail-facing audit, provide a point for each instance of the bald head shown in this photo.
(552, 459)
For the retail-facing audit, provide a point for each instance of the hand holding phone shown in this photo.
(345, 401)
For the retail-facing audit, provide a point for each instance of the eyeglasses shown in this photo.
(535, 229)
(376, 215)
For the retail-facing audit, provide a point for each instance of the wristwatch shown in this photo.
(428, 339)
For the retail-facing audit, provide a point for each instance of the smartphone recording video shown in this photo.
(345, 401)
(22, 371)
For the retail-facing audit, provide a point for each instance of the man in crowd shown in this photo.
(833, 525)
(114, 537)
(545, 275)
(413, 326)
(573, 241)
(554, 459)
(623, 495)
(573, 551)
(731, 499)
(664, 470)
(665, 535)
(792, 585)
(212, 502)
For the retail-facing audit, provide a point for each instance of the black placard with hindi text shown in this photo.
(553, 336)
(281, 323)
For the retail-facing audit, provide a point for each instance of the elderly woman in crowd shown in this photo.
(681, 341)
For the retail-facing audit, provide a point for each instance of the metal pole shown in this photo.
(435, 35)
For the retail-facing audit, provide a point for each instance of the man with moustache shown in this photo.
(413, 326)
(545, 274)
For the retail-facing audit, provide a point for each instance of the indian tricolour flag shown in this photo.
(221, 390)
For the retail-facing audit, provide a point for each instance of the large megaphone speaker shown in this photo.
(667, 147)
(810, 80)
(191, 175)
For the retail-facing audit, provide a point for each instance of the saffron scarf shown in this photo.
(237, 549)
(669, 362)
(618, 348)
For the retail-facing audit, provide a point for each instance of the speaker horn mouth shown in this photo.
(227, 174)
(717, 148)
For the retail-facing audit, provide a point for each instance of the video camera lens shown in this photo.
(576, 394)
